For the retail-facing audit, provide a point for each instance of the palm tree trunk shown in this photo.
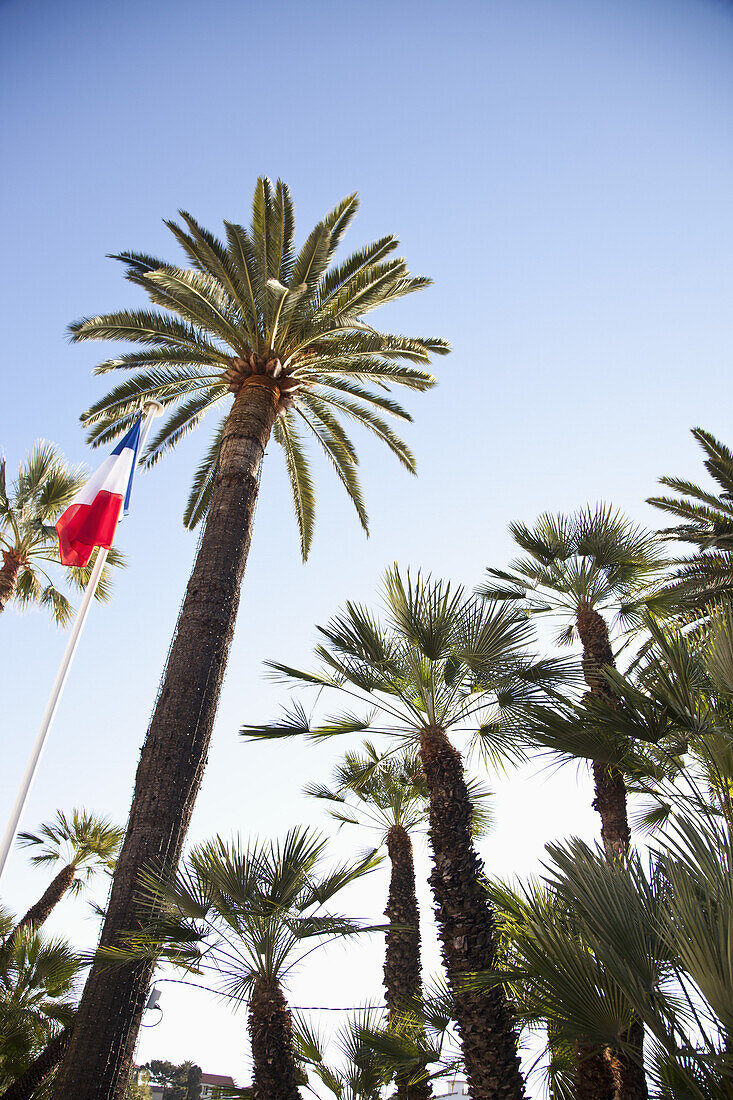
(610, 799)
(631, 1079)
(24, 1087)
(273, 1055)
(98, 1062)
(594, 1076)
(466, 927)
(9, 576)
(39, 912)
(402, 976)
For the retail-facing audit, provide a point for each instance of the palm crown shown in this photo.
(44, 486)
(257, 305)
(439, 658)
(83, 841)
(378, 792)
(594, 560)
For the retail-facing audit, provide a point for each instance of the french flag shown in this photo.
(91, 518)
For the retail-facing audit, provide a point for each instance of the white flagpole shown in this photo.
(152, 409)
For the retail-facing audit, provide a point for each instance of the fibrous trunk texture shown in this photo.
(271, 1032)
(9, 576)
(610, 800)
(630, 1077)
(38, 913)
(25, 1086)
(402, 977)
(466, 927)
(98, 1061)
(594, 1076)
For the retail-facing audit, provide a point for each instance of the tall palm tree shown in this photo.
(440, 661)
(589, 567)
(44, 486)
(274, 339)
(707, 523)
(84, 843)
(251, 915)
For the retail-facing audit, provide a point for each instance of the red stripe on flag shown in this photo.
(84, 526)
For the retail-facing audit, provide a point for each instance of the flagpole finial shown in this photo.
(154, 407)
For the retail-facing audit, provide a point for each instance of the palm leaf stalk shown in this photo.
(45, 485)
(274, 339)
(87, 843)
(26, 1086)
(250, 914)
(439, 661)
(587, 567)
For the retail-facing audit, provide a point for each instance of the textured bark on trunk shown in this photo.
(466, 927)
(402, 977)
(271, 1032)
(594, 1076)
(630, 1077)
(98, 1061)
(24, 1086)
(610, 800)
(39, 912)
(9, 576)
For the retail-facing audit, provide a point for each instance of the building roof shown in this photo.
(216, 1079)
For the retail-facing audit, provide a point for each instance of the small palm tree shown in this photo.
(275, 340)
(44, 486)
(84, 843)
(440, 661)
(587, 568)
(707, 523)
(37, 979)
(251, 915)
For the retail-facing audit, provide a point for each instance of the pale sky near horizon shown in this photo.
(560, 168)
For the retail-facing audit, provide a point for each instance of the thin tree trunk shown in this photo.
(9, 576)
(466, 927)
(402, 976)
(24, 1086)
(39, 912)
(98, 1062)
(610, 799)
(611, 803)
(273, 1055)
(594, 1076)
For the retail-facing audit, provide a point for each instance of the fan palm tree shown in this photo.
(587, 567)
(274, 339)
(441, 661)
(37, 979)
(251, 915)
(707, 523)
(44, 486)
(84, 843)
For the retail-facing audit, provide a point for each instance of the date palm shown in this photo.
(251, 915)
(274, 340)
(707, 523)
(84, 843)
(44, 486)
(440, 661)
(594, 569)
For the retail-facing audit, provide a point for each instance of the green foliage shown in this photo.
(45, 485)
(37, 986)
(84, 840)
(180, 1082)
(256, 293)
(594, 559)
(437, 657)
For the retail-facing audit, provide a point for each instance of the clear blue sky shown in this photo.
(561, 168)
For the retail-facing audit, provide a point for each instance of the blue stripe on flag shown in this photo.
(131, 441)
